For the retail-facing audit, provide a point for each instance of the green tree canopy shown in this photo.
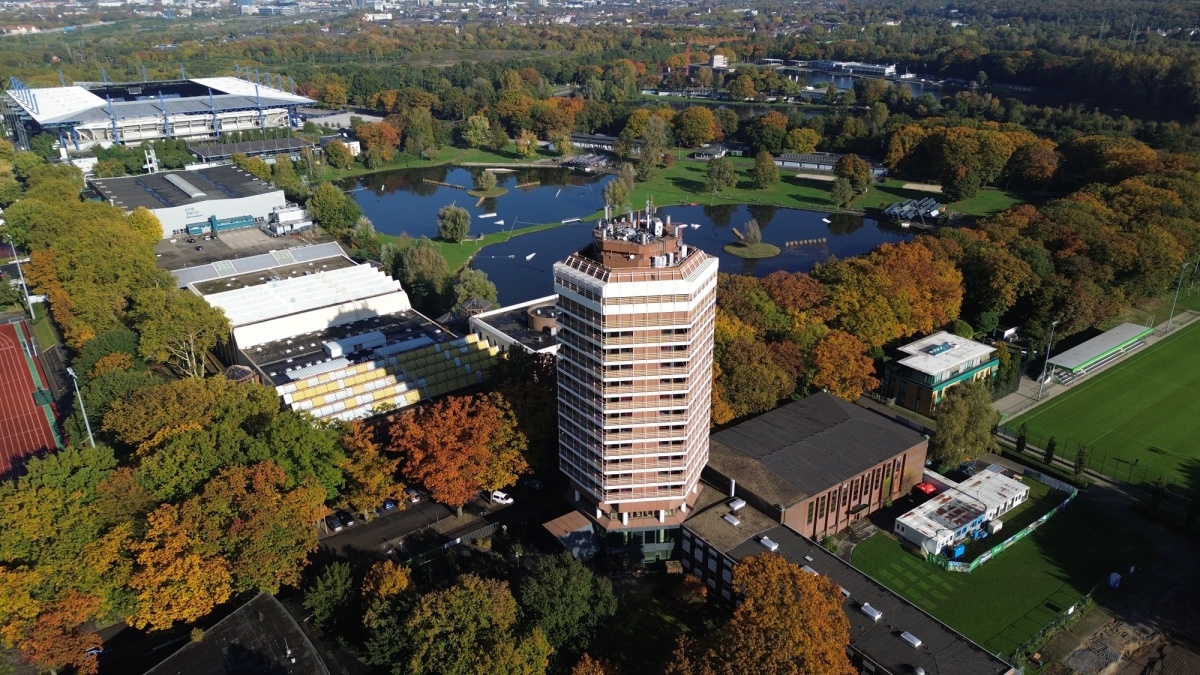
(965, 424)
(453, 223)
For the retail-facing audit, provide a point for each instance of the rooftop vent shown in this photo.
(768, 544)
(940, 349)
(810, 570)
(188, 189)
(737, 505)
(911, 639)
(871, 612)
(732, 519)
(844, 591)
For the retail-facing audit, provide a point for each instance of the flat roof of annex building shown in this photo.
(180, 188)
(801, 449)
(942, 351)
(513, 322)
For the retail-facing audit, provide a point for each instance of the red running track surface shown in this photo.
(24, 430)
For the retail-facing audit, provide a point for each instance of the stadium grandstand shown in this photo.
(86, 114)
(336, 339)
(1097, 352)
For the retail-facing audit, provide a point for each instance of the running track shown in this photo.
(24, 426)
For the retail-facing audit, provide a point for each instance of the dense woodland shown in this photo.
(200, 490)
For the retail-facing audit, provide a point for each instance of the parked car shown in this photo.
(345, 518)
(413, 495)
(532, 483)
(333, 524)
(499, 497)
(389, 504)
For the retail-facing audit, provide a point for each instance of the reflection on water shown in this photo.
(519, 278)
(408, 200)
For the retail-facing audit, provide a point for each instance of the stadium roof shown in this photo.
(257, 263)
(178, 188)
(75, 104)
(803, 448)
(275, 299)
(1082, 355)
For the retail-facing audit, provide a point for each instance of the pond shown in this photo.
(408, 200)
(405, 201)
(519, 278)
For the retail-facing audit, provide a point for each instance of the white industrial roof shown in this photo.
(275, 299)
(233, 85)
(927, 355)
(963, 502)
(55, 102)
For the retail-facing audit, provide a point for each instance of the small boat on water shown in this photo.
(695, 226)
(556, 194)
(825, 220)
(486, 215)
(530, 256)
(499, 222)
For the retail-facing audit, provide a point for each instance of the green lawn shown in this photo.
(683, 183)
(645, 635)
(1011, 597)
(43, 329)
(1140, 417)
(446, 155)
(891, 190)
(458, 255)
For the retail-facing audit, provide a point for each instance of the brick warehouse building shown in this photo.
(820, 463)
(636, 311)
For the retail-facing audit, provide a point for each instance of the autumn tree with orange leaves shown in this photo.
(459, 446)
(370, 474)
(788, 622)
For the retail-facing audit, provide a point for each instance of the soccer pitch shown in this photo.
(1140, 418)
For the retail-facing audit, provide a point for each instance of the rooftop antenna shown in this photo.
(62, 79)
(182, 72)
(144, 78)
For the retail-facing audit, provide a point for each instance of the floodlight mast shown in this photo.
(82, 410)
(1046, 362)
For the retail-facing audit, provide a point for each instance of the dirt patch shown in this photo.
(1102, 653)
(817, 176)
(922, 187)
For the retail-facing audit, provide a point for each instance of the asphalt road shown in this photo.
(386, 533)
